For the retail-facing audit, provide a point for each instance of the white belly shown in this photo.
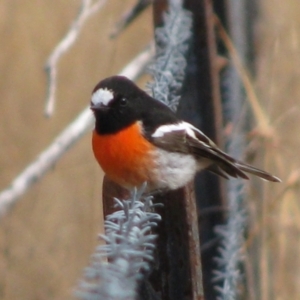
(174, 170)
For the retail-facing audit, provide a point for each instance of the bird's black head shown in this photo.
(117, 103)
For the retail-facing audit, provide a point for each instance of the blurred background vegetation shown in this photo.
(47, 238)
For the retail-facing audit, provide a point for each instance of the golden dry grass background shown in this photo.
(276, 217)
(47, 239)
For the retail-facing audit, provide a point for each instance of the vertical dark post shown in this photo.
(179, 275)
(201, 105)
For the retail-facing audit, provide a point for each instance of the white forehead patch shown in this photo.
(102, 96)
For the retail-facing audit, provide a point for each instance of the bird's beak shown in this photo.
(98, 107)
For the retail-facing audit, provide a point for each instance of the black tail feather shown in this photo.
(260, 173)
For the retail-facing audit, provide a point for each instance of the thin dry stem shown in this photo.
(260, 116)
(87, 9)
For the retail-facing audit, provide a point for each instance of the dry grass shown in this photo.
(274, 239)
(272, 264)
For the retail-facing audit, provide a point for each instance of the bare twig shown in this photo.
(129, 16)
(63, 142)
(259, 113)
(87, 9)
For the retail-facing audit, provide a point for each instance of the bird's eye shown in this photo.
(123, 102)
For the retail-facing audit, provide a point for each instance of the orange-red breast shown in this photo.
(137, 139)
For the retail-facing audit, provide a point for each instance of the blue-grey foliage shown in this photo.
(117, 266)
(231, 253)
(172, 41)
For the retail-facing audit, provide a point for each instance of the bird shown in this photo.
(139, 139)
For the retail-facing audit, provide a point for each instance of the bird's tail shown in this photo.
(260, 173)
(238, 169)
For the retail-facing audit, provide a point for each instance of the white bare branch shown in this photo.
(47, 159)
(87, 9)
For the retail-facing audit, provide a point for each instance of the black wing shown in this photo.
(185, 138)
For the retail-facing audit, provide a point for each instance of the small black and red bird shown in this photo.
(138, 139)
